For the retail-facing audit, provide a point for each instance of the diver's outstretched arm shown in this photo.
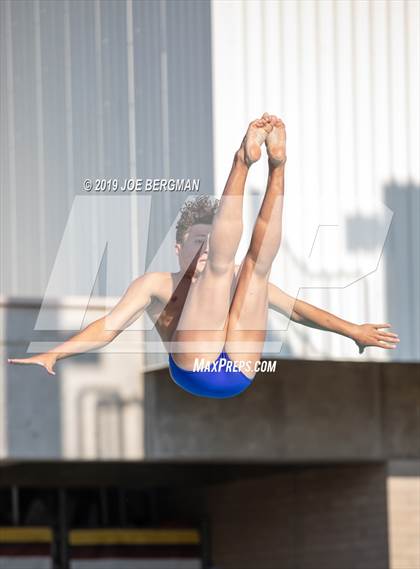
(102, 331)
(304, 313)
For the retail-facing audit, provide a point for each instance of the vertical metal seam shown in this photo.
(325, 291)
(40, 146)
(337, 123)
(245, 59)
(371, 85)
(390, 97)
(263, 55)
(414, 334)
(134, 217)
(164, 102)
(354, 112)
(11, 147)
(99, 115)
(132, 136)
(69, 124)
(99, 93)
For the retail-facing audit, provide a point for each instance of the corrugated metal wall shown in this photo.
(93, 89)
(344, 75)
(113, 89)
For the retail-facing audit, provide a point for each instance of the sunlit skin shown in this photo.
(196, 237)
(168, 297)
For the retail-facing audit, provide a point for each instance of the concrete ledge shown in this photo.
(306, 411)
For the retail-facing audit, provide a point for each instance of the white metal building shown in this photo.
(164, 89)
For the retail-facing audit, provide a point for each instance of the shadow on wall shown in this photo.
(402, 267)
(85, 393)
(33, 409)
(401, 257)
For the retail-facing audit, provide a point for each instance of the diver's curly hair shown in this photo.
(200, 209)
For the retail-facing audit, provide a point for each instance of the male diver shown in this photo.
(212, 310)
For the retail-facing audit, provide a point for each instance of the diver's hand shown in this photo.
(366, 335)
(45, 360)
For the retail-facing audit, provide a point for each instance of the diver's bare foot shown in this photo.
(276, 143)
(256, 134)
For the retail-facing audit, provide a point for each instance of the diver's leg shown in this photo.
(204, 317)
(248, 314)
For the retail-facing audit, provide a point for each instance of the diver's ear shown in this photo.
(177, 248)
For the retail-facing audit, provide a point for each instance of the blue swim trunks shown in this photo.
(219, 383)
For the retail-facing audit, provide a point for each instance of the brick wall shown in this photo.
(331, 517)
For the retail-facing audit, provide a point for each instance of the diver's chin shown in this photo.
(199, 270)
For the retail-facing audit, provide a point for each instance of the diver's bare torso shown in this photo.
(168, 300)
